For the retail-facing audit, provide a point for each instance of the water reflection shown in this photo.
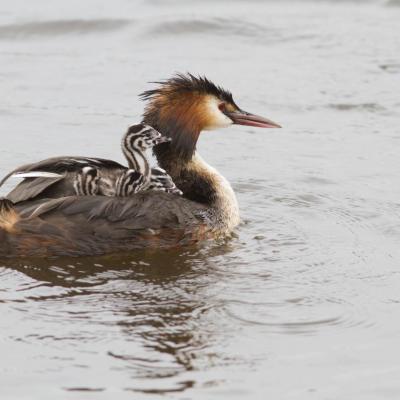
(156, 300)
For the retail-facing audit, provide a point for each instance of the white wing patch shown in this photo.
(36, 174)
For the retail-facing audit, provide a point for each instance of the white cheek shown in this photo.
(217, 119)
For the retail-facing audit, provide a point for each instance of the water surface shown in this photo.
(304, 302)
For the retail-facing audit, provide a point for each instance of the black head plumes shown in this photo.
(187, 83)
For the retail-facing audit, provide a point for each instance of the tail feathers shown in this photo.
(8, 215)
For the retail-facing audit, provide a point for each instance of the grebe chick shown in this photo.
(139, 176)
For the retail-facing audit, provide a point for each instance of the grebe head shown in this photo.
(185, 105)
(141, 137)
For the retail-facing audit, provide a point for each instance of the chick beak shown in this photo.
(163, 139)
(244, 118)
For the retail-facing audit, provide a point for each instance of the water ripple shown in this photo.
(61, 27)
(215, 26)
(371, 107)
(296, 316)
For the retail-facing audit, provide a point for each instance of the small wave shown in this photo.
(390, 67)
(84, 389)
(395, 3)
(301, 200)
(61, 27)
(318, 181)
(296, 316)
(214, 26)
(356, 107)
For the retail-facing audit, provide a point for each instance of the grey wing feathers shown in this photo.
(38, 166)
(142, 211)
(60, 165)
(94, 225)
(56, 166)
(31, 187)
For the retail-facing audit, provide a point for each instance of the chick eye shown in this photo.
(222, 107)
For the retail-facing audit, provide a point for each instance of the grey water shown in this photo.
(304, 303)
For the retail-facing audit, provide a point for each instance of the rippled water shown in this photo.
(304, 303)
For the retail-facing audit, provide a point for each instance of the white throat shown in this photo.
(225, 207)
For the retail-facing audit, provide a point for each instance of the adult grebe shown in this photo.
(180, 108)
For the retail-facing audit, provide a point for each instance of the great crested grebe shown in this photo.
(83, 176)
(49, 224)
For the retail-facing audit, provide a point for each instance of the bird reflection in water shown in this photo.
(158, 300)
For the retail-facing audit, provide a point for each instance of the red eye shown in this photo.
(222, 107)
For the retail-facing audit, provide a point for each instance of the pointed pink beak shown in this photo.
(245, 118)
